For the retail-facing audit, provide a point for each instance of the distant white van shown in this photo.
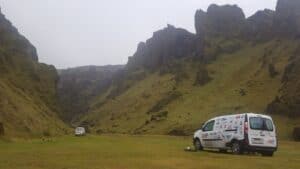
(238, 133)
(80, 131)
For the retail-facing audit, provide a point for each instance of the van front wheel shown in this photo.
(197, 145)
(236, 148)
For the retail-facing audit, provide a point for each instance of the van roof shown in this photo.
(249, 114)
(262, 115)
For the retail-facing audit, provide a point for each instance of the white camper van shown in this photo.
(238, 133)
(80, 131)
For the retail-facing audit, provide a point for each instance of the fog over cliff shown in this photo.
(70, 33)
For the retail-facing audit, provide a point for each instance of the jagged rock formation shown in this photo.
(13, 41)
(260, 24)
(28, 102)
(224, 20)
(227, 22)
(287, 18)
(78, 86)
(165, 46)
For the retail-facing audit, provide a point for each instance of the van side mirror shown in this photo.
(202, 125)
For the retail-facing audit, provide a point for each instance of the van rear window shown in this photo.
(269, 125)
(259, 123)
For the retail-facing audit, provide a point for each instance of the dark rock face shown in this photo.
(202, 77)
(228, 22)
(201, 21)
(78, 86)
(260, 25)
(165, 45)
(13, 41)
(272, 71)
(224, 20)
(289, 101)
(287, 17)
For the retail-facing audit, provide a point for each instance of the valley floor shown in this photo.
(133, 152)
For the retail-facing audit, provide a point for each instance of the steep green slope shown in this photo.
(28, 102)
(240, 82)
(177, 80)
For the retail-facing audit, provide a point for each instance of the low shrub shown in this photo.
(296, 133)
(1, 129)
(178, 132)
(272, 71)
(173, 95)
(46, 133)
(159, 116)
(202, 77)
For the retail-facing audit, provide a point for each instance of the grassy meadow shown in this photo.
(133, 152)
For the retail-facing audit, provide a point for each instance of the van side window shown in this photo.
(209, 126)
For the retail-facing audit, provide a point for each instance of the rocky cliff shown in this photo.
(164, 47)
(227, 20)
(287, 101)
(287, 16)
(77, 87)
(28, 100)
(260, 25)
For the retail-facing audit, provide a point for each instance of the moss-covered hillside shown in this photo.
(162, 103)
(177, 80)
(28, 101)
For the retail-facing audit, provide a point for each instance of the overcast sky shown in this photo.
(70, 33)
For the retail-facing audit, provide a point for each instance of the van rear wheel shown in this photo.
(197, 145)
(236, 148)
(267, 153)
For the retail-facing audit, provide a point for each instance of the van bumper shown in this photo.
(259, 149)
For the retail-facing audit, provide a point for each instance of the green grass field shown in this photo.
(134, 152)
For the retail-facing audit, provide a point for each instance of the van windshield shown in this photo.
(79, 129)
(259, 123)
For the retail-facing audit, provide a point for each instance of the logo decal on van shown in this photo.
(205, 135)
(271, 141)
